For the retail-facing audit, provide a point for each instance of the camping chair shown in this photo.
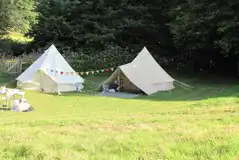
(105, 88)
(17, 92)
(9, 95)
(3, 91)
(9, 98)
(15, 105)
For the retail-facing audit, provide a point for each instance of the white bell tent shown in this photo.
(50, 73)
(142, 74)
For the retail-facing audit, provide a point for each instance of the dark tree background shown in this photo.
(202, 35)
(97, 24)
(209, 31)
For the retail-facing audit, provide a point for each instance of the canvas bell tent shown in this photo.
(143, 74)
(50, 73)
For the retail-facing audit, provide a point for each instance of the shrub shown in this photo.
(88, 59)
(112, 57)
(11, 46)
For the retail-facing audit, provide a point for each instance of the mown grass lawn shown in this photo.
(178, 125)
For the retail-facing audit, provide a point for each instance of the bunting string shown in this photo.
(90, 72)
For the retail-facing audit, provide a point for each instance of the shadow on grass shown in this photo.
(8, 81)
(5, 109)
(204, 88)
(200, 93)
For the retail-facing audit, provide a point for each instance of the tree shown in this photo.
(147, 26)
(17, 15)
(77, 24)
(206, 25)
(95, 24)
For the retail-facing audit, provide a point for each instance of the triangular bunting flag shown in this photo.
(52, 70)
(92, 72)
(112, 69)
(82, 73)
(56, 72)
(97, 71)
(66, 73)
(87, 73)
(102, 70)
(107, 70)
(62, 73)
(77, 73)
(72, 73)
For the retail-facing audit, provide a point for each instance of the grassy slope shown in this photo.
(200, 124)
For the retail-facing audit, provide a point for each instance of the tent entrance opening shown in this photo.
(121, 83)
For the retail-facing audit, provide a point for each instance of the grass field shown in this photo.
(202, 124)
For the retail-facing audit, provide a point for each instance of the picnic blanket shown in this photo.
(119, 94)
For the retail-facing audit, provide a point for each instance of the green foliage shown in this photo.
(17, 15)
(76, 23)
(113, 56)
(16, 19)
(11, 47)
(200, 30)
(210, 25)
(13, 44)
(97, 24)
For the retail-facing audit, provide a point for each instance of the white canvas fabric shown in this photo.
(145, 73)
(41, 75)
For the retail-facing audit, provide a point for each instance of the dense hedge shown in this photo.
(111, 57)
(87, 60)
(10, 47)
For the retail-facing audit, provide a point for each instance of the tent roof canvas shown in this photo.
(51, 60)
(145, 73)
